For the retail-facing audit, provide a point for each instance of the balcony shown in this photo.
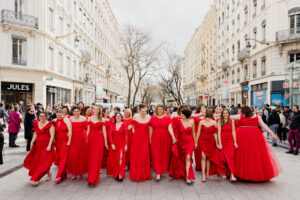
(19, 61)
(225, 64)
(86, 55)
(289, 35)
(12, 17)
(243, 54)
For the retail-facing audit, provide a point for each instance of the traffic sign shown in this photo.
(246, 88)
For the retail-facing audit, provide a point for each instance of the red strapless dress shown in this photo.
(197, 151)
(77, 161)
(183, 148)
(39, 160)
(129, 138)
(254, 158)
(105, 151)
(228, 148)
(140, 169)
(210, 149)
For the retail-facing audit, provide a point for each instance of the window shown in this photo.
(263, 4)
(18, 50)
(69, 31)
(263, 27)
(51, 58)
(263, 66)
(254, 69)
(255, 36)
(294, 57)
(51, 20)
(295, 23)
(75, 10)
(238, 75)
(246, 72)
(254, 8)
(246, 14)
(232, 77)
(238, 46)
(61, 25)
(233, 52)
(18, 8)
(69, 66)
(60, 63)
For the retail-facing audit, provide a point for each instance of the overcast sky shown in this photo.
(172, 21)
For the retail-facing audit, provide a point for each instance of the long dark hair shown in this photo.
(222, 120)
(115, 120)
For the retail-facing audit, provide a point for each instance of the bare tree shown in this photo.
(138, 59)
(147, 91)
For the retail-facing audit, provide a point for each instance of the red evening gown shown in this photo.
(183, 148)
(197, 151)
(140, 169)
(39, 160)
(96, 147)
(127, 123)
(119, 139)
(61, 148)
(105, 151)
(228, 148)
(254, 158)
(211, 151)
(161, 144)
(77, 161)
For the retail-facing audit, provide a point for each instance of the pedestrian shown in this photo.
(28, 125)
(282, 129)
(116, 110)
(294, 130)
(273, 123)
(14, 126)
(41, 156)
(66, 112)
(3, 116)
(1, 144)
(168, 111)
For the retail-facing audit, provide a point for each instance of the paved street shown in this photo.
(16, 185)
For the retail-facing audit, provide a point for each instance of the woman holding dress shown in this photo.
(128, 121)
(227, 141)
(254, 159)
(77, 161)
(41, 156)
(97, 141)
(140, 169)
(161, 138)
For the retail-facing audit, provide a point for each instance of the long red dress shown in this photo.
(96, 147)
(77, 161)
(161, 143)
(254, 158)
(228, 148)
(61, 148)
(127, 123)
(140, 169)
(183, 148)
(211, 151)
(197, 151)
(119, 139)
(39, 160)
(105, 151)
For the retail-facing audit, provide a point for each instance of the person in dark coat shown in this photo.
(273, 123)
(29, 117)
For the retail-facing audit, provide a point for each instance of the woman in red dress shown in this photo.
(128, 121)
(227, 141)
(77, 161)
(254, 159)
(161, 137)
(97, 141)
(212, 162)
(41, 157)
(117, 153)
(184, 148)
(107, 123)
(63, 135)
(140, 169)
(66, 112)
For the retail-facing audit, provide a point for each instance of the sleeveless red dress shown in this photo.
(183, 148)
(254, 158)
(140, 169)
(197, 151)
(77, 161)
(119, 139)
(105, 151)
(211, 151)
(61, 148)
(39, 160)
(96, 146)
(228, 148)
(128, 122)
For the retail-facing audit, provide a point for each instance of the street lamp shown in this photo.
(261, 42)
(67, 35)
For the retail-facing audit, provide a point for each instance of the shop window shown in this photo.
(19, 50)
(295, 57)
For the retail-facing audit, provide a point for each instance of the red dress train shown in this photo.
(197, 151)
(105, 151)
(254, 158)
(39, 160)
(228, 148)
(127, 123)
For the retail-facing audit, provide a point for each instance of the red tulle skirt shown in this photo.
(254, 158)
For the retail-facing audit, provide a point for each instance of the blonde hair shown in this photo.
(156, 109)
(129, 110)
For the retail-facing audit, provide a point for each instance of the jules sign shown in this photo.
(16, 87)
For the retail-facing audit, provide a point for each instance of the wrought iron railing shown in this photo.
(243, 54)
(286, 35)
(9, 16)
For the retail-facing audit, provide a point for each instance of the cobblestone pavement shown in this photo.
(15, 185)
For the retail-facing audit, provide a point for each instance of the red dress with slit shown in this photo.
(39, 160)
(61, 148)
(140, 169)
(105, 151)
(183, 148)
(161, 143)
(127, 123)
(197, 151)
(228, 148)
(254, 158)
(96, 147)
(78, 159)
(119, 139)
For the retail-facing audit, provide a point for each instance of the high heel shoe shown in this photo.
(188, 181)
(49, 177)
(58, 180)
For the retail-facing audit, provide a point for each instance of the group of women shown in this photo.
(232, 146)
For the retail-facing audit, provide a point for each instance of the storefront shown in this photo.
(244, 93)
(56, 94)
(12, 92)
(291, 84)
(277, 93)
(259, 95)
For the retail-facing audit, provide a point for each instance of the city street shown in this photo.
(15, 185)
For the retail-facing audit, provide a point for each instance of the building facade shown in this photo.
(60, 51)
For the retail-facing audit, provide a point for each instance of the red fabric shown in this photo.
(129, 138)
(61, 148)
(254, 158)
(237, 125)
(14, 124)
(183, 148)
(77, 161)
(95, 151)
(39, 160)
(161, 143)
(209, 148)
(140, 154)
(105, 151)
(197, 151)
(119, 139)
(228, 148)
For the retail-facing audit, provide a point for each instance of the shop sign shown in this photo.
(200, 97)
(49, 78)
(259, 95)
(238, 92)
(294, 85)
(246, 88)
(52, 90)
(16, 87)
